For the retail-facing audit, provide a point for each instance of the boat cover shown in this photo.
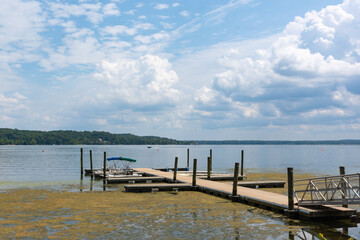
(121, 158)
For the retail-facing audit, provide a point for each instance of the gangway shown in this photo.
(330, 190)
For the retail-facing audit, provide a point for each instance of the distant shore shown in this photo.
(60, 137)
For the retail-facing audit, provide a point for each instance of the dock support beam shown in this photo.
(290, 173)
(236, 176)
(211, 159)
(208, 168)
(175, 168)
(91, 165)
(188, 159)
(194, 173)
(342, 172)
(104, 170)
(242, 163)
(82, 161)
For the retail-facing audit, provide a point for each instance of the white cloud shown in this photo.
(175, 5)
(91, 11)
(161, 6)
(160, 36)
(119, 29)
(20, 26)
(111, 9)
(306, 73)
(130, 12)
(184, 13)
(147, 82)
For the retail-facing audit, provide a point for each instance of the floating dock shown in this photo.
(263, 199)
(134, 179)
(222, 177)
(158, 187)
(262, 184)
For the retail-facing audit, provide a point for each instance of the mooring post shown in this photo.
(290, 173)
(242, 163)
(236, 176)
(91, 165)
(194, 173)
(343, 186)
(175, 168)
(210, 159)
(188, 159)
(82, 161)
(208, 168)
(104, 170)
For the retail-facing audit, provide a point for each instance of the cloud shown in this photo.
(21, 26)
(94, 12)
(184, 13)
(304, 74)
(111, 9)
(161, 6)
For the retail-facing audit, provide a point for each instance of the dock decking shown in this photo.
(268, 200)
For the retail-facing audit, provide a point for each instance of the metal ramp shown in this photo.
(331, 190)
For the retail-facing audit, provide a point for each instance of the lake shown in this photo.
(187, 215)
(58, 164)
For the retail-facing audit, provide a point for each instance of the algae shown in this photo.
(59, 214)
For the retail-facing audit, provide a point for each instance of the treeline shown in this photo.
(26, 137)
(281, 142)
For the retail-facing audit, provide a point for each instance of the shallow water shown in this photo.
(49, 214)
(42, 196)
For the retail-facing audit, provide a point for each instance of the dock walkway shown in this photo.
(267, 200)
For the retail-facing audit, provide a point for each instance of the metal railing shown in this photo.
(331, 190)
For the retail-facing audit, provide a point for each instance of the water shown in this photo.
(59, 164)
(167, 216)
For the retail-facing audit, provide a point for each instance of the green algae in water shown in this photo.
(115, 214)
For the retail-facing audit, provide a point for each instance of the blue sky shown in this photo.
(187, 69)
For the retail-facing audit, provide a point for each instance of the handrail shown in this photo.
(329, 190)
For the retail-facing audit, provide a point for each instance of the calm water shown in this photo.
(58, 167)
(62, 163)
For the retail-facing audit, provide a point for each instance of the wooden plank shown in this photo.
(134, 179)
(262, 184)
(255, 197)
(158, 187)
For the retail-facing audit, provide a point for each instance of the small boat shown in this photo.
(149, 146)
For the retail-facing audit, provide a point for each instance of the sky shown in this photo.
(183, 69)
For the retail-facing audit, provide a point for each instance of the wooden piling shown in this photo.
(208, 168)
(242, 163)
(290, 173)
(188, 158)
(211, 159)
(194, 173)
(104, 170)
(236, 176)
(342, 172)
(91, 165)
(175, 168)
(82, 161)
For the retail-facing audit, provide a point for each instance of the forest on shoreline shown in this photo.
(67, 137)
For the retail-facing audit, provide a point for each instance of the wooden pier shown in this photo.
(263, 199)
